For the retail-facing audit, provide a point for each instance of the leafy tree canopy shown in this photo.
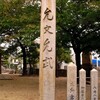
(19, 25)
(78, 24)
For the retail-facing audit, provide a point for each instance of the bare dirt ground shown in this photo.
(27, 88)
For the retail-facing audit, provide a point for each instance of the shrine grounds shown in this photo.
(16, 87)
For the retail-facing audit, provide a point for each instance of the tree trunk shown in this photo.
(57, 68)
(24, 72)
(24, 61)
(0, 63)
(78, 62)
(76, 48)
(30, 69)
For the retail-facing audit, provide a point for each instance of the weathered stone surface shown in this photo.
(47, 50)
(94, 84)
(71, 82)
(82, 84)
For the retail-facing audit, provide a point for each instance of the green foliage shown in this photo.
(63, 55)
(33, 54)
(78, 24)
(19, 26)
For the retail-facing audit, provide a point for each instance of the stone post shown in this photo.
(71, 82)
(82, 84)
(94, 84)
(47, 50)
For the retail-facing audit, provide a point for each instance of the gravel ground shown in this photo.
(27, 88)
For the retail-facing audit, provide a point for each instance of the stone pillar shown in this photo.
(94, 84)
(47, 50)
(71, 82)
(82, 84)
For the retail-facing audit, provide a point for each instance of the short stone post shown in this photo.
(82, 84)
(94, 84)
(71, 82)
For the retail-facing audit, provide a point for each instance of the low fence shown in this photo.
(72, 93)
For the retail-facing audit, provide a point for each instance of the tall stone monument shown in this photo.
(47, 50)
